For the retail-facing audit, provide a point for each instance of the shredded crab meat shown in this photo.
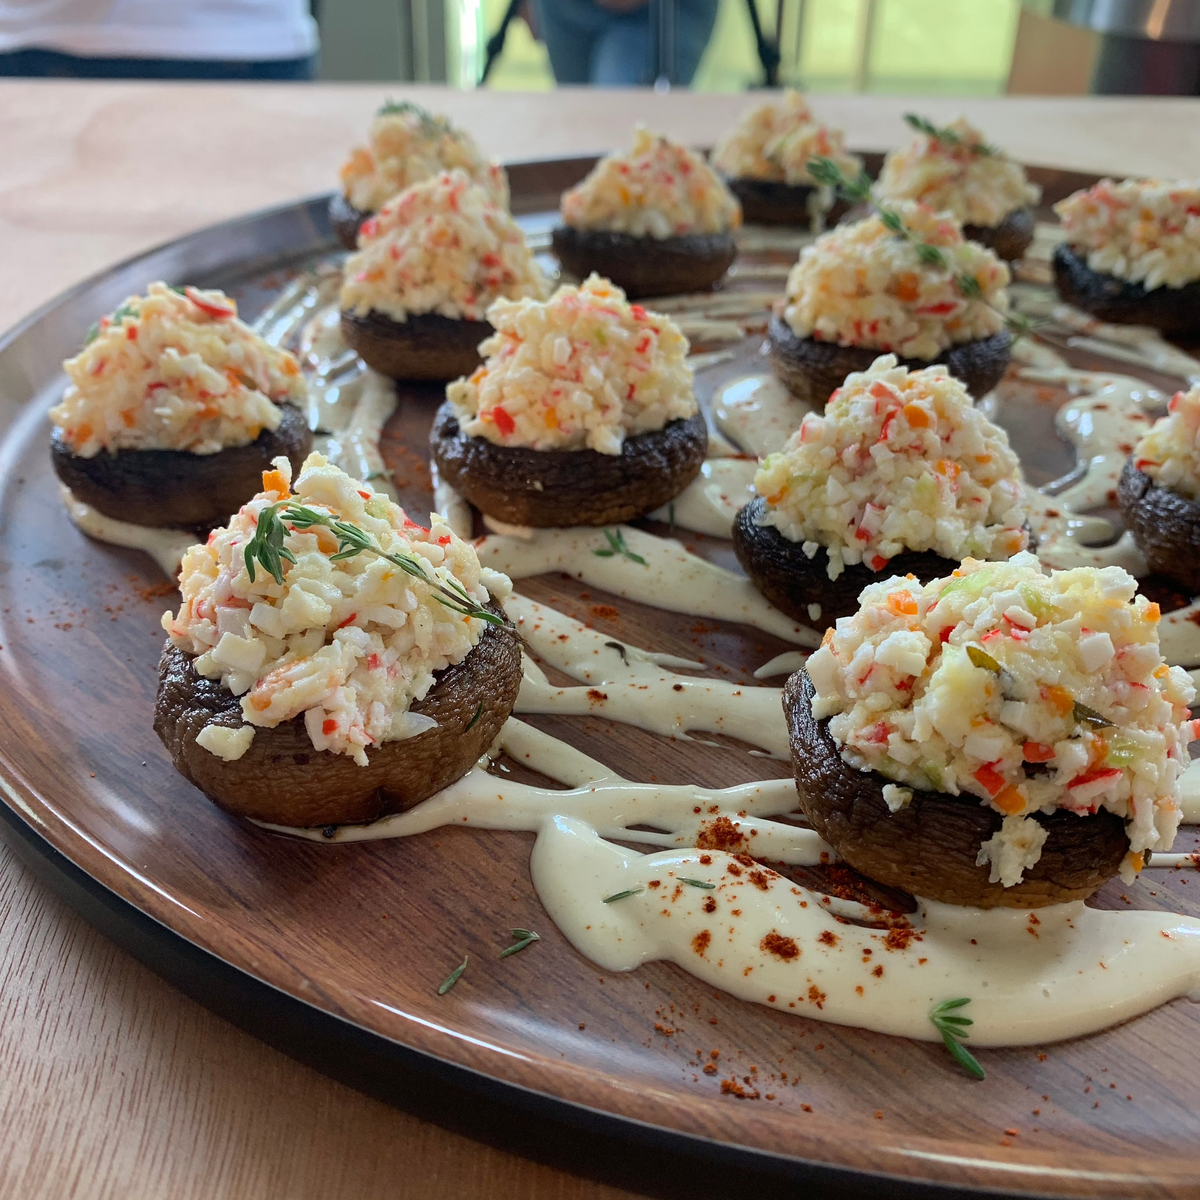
(441, 246)
(863, 285)
(347, 643)
(658, 189)
(900, 460)
(1028, 690)
(1144, 230)
(406, 145)
(777, 140)
(962, 175)
(584, 369)
(1169, 452)
(174, 370)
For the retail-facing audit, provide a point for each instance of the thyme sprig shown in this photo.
(266, 549)
(953, 1029)
(858, 191)
(637, 891)
(947, 136)
(616, 545)
(700, 883)
(525, 937)
(452, 978)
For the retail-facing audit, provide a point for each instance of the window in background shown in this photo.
(899, 47)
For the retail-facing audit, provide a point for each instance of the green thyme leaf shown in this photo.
(478, 714)
(92, 334)
(981, 658)
(1089, 716)
(700, 883)
(525, 937)
(671, 516)
(947, 136)
(452, 978)
(267, 548)
(952, 1029)
(930, 255)
(637, 891)
(620, 650)
(616, 545)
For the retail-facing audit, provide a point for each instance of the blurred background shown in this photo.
(926, 47)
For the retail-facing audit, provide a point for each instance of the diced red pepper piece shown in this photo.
(990, 780)
(1037, 752)
(504, 422)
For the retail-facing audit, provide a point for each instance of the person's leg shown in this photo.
(52, 64)
(621, 56)
(569, 29)
(694, 23)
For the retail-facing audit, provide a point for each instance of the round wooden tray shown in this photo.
(334, 953)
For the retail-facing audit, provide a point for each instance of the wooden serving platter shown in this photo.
(335, 953)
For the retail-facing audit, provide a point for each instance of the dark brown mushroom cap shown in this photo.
(929, 846)
(1165, 525)
(428, 346)
(1010, 238)
(282, 779)
(646, 266)
(812, 370)
(345, 220)
(792, 581)
(549, 488)
(176, 488)
(773, 202)
(1173, 311)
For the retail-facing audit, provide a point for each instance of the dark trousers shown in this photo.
(52, 64)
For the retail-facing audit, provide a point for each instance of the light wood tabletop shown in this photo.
(112, 1083)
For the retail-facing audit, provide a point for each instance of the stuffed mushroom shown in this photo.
(656, 220)
(174, 409)
(405, 145)
(332, 660)
(1131, 254)
(997, 737)
(583, 413)
(862, 289)
(953, 169)
(1159, 492)
(428, 265)
(765, 158)
(899, 475)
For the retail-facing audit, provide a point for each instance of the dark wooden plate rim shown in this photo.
(612, 1144)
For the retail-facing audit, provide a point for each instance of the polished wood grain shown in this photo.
(113, 1085)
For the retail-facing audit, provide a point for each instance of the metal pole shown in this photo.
(662, 13)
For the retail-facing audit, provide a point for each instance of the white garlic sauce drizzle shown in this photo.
(671, 577)
(1084, 970)
(637, 687)
(611, 805)
(165, 546)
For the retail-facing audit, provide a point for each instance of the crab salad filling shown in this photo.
(900, 460)
(657, 189)
(582, 370)
(346, 623)
(406, 145)
(1031, 691)
(863, 284)
(174, 370)
(1169, 451)
(441, 246)
(956, 171)
(1145, 231)
(777, 140)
